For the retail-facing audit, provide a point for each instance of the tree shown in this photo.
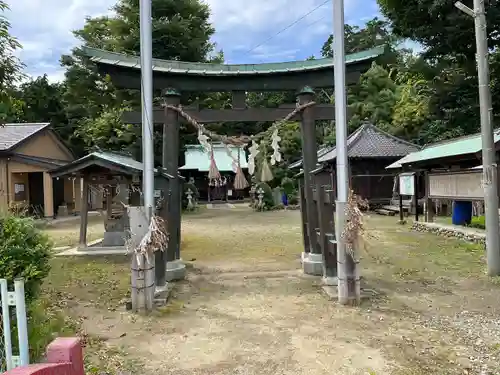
(411, 110)
(43, 103)
(108, 131)
(10, 69)
(447, 35)
(356, 39)
(443, 30)
(373, 99)
(375, 33)
(181, 31)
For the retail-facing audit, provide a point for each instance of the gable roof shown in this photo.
(368, 141)
(320, 153)
(36, 160)
(13, 135)
(197, 159)
(190, 68)
(462, 146)
(112, 160)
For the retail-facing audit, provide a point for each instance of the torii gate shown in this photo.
(175, 77)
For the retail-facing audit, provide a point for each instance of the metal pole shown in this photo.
(490, 182)
(147, 105)
(22, 324)
(6, 324)
(147, 132)
(489, 164)
(341, 146)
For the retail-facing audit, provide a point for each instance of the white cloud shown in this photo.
(44, 28)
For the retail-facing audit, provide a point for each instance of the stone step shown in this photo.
(381, 211)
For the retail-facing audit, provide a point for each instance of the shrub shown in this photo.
(288, 186)
(293, 199)
(478, 222)
(24, 252)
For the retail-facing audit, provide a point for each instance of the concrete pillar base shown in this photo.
(161, 289)
(303, 256)
(330, 281)
(176, 270)
(313, 265)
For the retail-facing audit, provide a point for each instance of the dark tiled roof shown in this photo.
(371, 142)
(13, 134)
(367, 141)
(320, 153)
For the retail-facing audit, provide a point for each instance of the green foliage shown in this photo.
(44, 324)
(108, 131)
(288, 185)
(373, 99)
(447, 63)
(10, 69)
(181, 31)
(444, 31)
(411, 110)
(375, 33)
(478, 222)
(293, 199)
(24, 253)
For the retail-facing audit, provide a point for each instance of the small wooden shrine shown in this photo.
(119, 177)
(369, 150)
(444, 172)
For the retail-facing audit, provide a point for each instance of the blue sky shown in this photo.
(44, 28)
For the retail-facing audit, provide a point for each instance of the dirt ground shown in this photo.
(247, 309)
(67, 233)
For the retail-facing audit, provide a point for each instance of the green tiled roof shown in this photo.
(118, 159)
(182, 67)
(197, 159)
(455, 147)
(114, 158)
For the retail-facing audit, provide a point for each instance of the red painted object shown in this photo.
(64, 357)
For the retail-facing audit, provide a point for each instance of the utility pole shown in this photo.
(144, 274)
(490, 182)
(345, 265)
(147, 105)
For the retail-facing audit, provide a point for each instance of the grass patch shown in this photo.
(478, 222)
(242, 247)
(102, 281)
(101, 358)
(416, 255)
(46, 322)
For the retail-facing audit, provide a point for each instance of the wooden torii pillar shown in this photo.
(312, 262)
(170, 161)
(84, 212)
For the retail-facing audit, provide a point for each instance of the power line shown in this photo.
(289, 26)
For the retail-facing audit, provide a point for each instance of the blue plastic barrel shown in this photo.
(462, 213)
(284, 199)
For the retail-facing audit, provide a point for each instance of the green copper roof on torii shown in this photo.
(189, 68)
